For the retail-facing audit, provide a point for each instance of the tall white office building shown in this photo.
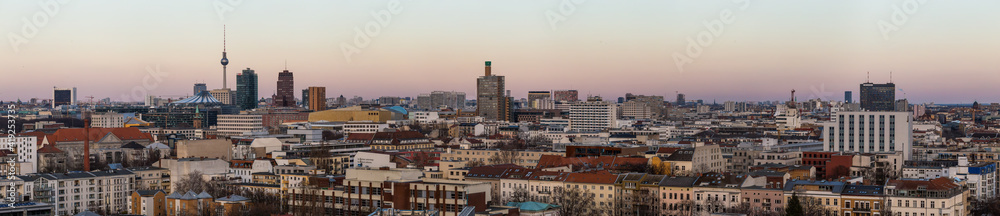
(869, 132)
(592, 115)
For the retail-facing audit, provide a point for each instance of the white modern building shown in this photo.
(592, 115)
(27, 151)
(236, 125)
(364, 127)
(424, 117)
(869, 132)
(107, 120)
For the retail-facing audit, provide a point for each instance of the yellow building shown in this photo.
(665, 167)
(355, 113)
(136, 122)
(861, 200)
(147, 202)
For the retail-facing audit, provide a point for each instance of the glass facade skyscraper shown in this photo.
(246, 89)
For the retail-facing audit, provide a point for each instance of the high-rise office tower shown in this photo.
(878, 97)
(285, 96)
(63, 96)
(566, 95)
(316, 98)
(246, 89)
(680, 100)
(305, 98)
(848, 98)
(592, 115)
(492, 103)
(438, 99)
(199, 87)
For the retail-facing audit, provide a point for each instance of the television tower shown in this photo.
(225, 61)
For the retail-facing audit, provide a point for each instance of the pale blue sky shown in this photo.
(946, 51)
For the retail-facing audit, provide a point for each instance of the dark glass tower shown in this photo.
(285, 96)
(246, 89)
(878, 97)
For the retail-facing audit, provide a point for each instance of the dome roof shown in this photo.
(202, 97)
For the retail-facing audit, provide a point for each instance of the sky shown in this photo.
(937, 51)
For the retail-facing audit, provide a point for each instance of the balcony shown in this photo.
(866, 210)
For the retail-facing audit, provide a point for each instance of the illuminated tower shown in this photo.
(225, 61)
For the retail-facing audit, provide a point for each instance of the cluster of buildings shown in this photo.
(440, 153)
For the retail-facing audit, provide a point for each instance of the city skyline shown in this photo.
(595, 48)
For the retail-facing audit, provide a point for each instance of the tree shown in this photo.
(814, 207)
(794, 208)
(520, 194)
(474, 163)
(330, 135)
(636, 202)
(422, 159)
(683, 208)
(575, 201)
(985, 206)
(505, 157)
(880, 172)
(841, 171)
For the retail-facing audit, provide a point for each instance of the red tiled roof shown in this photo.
(607, 162)
(667, 150)
(492, 171)
(591, 178)
(77, 134)
(50, 148)
(942, 183)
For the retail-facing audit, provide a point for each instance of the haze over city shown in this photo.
(941, 52)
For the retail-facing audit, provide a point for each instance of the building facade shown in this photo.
(491, 102)
(592, 115)
(869, 132)
(316, 98)
(878, 97)
(246, 89)
(285, 97)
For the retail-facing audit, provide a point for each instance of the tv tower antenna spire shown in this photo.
(225, 61)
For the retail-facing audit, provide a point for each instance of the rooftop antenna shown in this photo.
(869, 78)
(286, 64)
(890, 78)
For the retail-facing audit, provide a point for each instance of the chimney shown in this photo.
(488, 73)
(86, 144)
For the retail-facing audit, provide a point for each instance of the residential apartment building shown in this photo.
(364, 190)
(147, 202)
(528, 158)
(74, 192)
(934, 197)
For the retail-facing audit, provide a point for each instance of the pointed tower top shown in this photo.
(223, 38)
